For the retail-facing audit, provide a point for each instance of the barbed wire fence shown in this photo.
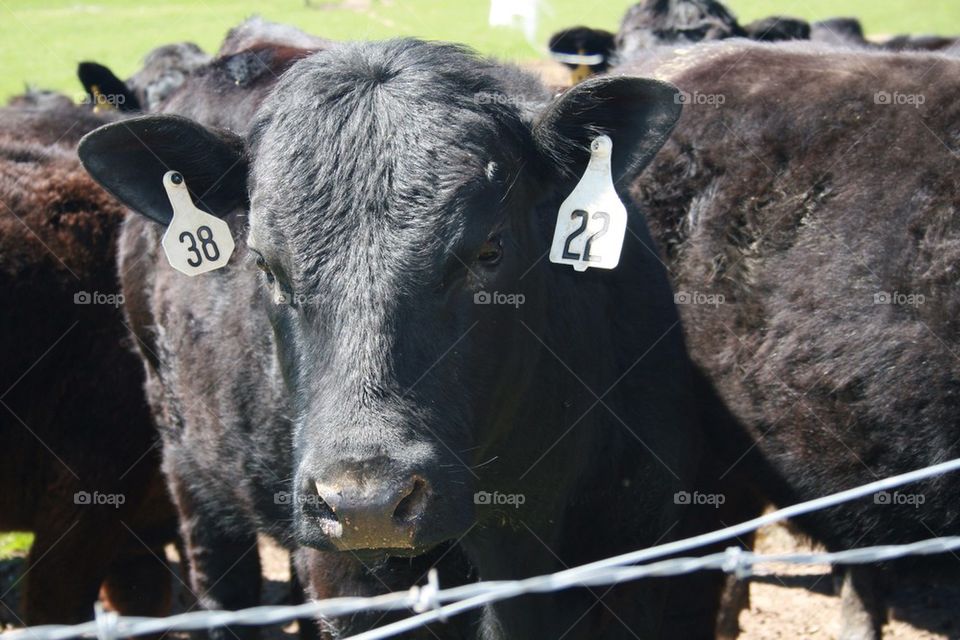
(429, 603)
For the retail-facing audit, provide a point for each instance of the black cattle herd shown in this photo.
(321, 291)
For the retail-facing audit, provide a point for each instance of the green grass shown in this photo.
(14, 544)
(41, 42)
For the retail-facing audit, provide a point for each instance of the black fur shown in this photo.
(73, 417)
(651, 23)
(776, 28)
(838, 31)
(164, 69)
(799, 198)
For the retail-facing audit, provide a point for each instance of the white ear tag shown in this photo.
(195, 241)
(592, 220)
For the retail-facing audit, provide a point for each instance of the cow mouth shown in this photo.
(395, 541)
(374, 556)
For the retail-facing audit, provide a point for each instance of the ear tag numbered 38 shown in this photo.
(592, 221)
(195, 241)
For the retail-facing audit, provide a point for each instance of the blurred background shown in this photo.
(42, 41)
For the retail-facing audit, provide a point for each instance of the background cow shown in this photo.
(777, 28)
(164, 69)
(251, 52)
(583, 42)
(652, 24)
(839, 31)
(814, 191)
(81, 470)
(257, 33)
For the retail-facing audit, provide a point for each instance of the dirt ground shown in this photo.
(796, 603)
(799, 602)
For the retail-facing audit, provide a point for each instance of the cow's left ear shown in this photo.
(130, 157)
(637, 113)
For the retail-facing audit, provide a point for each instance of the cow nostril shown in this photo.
(320, 507)
(414, 503)
(324, 510)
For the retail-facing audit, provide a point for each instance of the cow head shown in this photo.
(164, 69)
(391, 188)
(585, 51)
(650, 23)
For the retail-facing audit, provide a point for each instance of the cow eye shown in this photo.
(263, 266)
(491, 251)
(278, 292)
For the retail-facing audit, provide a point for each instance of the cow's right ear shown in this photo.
(129, 159)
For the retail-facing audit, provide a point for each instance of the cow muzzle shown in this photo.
(362, 513)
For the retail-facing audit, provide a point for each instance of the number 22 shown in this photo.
(587, 256)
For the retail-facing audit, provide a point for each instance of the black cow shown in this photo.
(777, 28)
(922, 43)
(164, 69)
(838, 31)
(81, 468)
(652, 24)
(819, 199)
(646, 25)
(849, 32)
(583, 50)
(342, 384)
(251, 51)
(227, 92)
(257, 33)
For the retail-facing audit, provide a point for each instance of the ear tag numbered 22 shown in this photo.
(592, 221)
(195, 241)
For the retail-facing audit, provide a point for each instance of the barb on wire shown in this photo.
(430, 603)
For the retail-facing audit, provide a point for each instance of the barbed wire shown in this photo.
(430, 603)
(734, 560)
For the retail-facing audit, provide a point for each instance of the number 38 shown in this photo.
(207, 247)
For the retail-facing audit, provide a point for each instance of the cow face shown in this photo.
(399, 217)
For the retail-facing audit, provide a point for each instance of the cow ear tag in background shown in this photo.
(592, 221)
(195, 241)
